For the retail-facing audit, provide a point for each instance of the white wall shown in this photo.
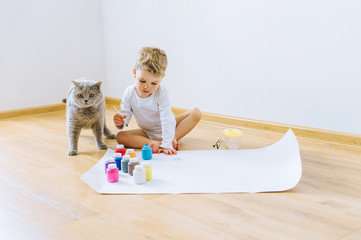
(44, 44)
(282, 61)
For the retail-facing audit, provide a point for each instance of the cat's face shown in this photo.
(86, 93)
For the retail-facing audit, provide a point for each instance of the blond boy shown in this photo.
(148, 101)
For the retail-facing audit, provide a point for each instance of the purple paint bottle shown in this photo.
(107, 162)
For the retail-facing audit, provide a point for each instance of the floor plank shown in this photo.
(42, 196)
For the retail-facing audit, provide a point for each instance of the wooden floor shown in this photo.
(42, 196)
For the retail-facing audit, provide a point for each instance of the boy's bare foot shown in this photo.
(155, 146)
(176, 144)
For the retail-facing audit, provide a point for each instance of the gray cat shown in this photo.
(85, 108)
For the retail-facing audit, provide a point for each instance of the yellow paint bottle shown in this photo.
(148, 171)
(232, 138)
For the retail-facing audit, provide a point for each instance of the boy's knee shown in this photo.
(196, 113)
(120, 136)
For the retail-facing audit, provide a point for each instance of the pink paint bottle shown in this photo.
(112, 173)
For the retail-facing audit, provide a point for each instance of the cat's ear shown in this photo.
(76, 84)
(98, 84)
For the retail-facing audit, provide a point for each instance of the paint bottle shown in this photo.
(118, 158)
(112, 173)
(120, 149)
(146, 152)
(148, 171)
(139, 175)
(131, 165)
(124, 163)
(107, 162)
(131, 153)
(232, 138)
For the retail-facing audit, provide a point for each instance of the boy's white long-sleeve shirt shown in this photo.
(153, 114)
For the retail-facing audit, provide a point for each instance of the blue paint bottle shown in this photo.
(146, 152)
(118, 159)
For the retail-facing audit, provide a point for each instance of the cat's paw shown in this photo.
(108, 134)
(72, 152)
(102, 146)
(111, 136)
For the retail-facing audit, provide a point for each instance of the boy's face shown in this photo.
(147, 82)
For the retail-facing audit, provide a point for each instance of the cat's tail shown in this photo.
(64, 100)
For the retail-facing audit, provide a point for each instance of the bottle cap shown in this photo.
(112, 166)
(146, 164)
(120, 146)
(118, 155)
(110, 160)
(126, 157)
(133, 160)
(139, 168)
(232, 133)
(146, 146)
(130, 150)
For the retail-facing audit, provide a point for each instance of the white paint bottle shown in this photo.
(139, 174)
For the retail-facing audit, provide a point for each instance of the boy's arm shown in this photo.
(125, 108)
(167, 120)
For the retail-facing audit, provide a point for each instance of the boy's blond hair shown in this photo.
(152, 59)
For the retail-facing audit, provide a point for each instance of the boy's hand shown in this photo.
(119, 120)
(167, 151)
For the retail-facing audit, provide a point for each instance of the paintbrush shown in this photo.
(219, 143)
(119, 113)
(216, 144)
